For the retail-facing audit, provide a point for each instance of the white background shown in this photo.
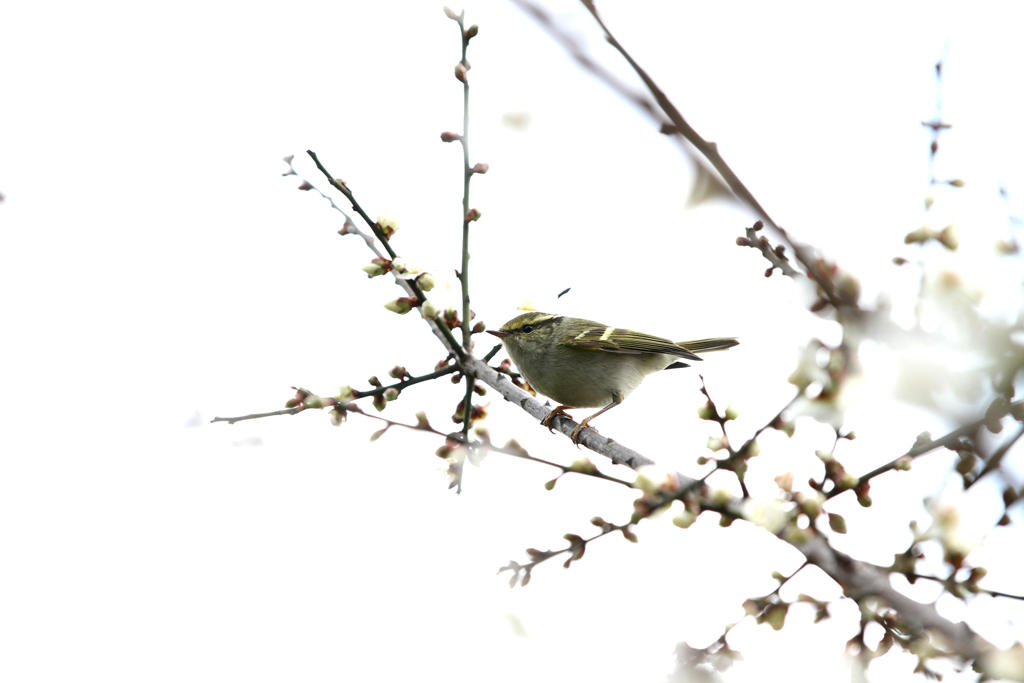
(158, 271)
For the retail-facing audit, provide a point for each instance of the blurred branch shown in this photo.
(677, 124)
(950, 440)
(577, 52)
(860, 579)
(294, 410)
(954, 587)
(996, 459)
(736, 462)
(707, 182)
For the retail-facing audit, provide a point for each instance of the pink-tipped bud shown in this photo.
(400, 306)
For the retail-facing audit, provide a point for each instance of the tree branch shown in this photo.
(857, 578)
(927, 445)
(411, 287)
(616, 452)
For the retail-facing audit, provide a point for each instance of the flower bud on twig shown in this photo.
(425, 281)
(401, 305)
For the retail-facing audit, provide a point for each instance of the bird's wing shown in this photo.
(705, 345)
(599, 337)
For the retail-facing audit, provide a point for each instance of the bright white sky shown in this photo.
(159, 272)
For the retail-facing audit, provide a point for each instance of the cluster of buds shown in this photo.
(477, 412)
(425, 281)
(380, 399)
(775, 255)
(452, 450)
(709, 411)
(450, 318)
(659, 489)
(823, 367)
(837, 479)
(469, 33)
(947, 236)
(304, 399)
(845, 287)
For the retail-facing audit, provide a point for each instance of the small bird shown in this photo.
(583, 364)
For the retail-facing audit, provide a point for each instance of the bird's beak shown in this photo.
(500, 334)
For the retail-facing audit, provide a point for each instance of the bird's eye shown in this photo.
(527, 328)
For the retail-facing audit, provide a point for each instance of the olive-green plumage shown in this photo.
(585, 364)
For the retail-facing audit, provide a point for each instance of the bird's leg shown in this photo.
(560, 410)
(575, 436)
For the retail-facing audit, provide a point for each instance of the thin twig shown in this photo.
(411, 287)
(462, 73)
(342, 188)
(408, 382)
(467, 175)
(259, 416)
(349, 225)
(357, 394)
(918, 449)
(776, 256)
(709, 151)
(736, 462)
(467, 343)
(996, 458)
(971, 589)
